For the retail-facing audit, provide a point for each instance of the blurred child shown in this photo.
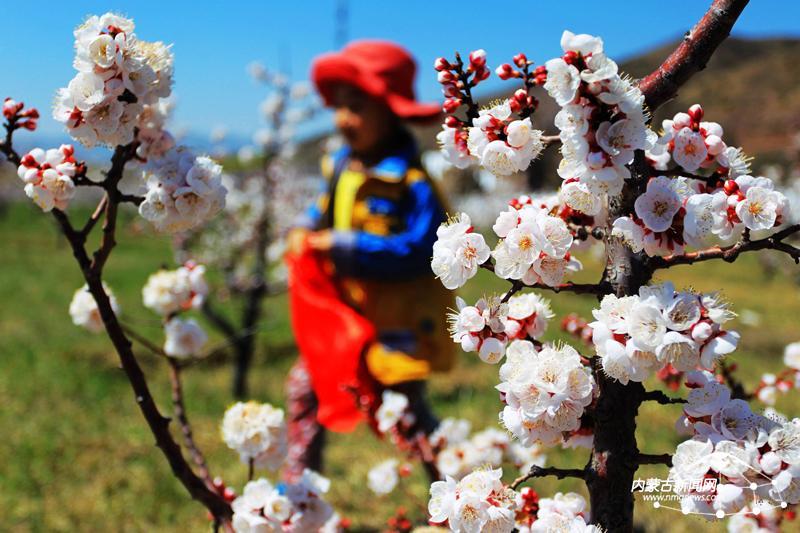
(375, 223)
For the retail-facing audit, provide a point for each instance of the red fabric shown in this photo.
(331, 336)
(379, 68)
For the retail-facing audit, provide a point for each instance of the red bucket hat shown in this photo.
(381, 69)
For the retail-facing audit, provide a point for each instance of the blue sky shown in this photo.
(215, 40)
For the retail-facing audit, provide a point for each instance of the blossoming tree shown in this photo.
(117, 100)
(245, 243)
(654, 200)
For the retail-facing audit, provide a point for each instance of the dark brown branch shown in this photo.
(692, 54)
(540, 471)
(80, 180)
(186, 428)
(92, 222)
(651, 459)
(738, 392)
(144, 341)
(159, 425)
(730, 253)
(131, 199)
(577, 288)
(660, 397)
(177, 404)
(6, 147)
(122, 154)
(516, 286)
(218, 320)
(472, 106)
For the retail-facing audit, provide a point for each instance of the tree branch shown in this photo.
(660, 397)
(577, 288)
(692, 54)
(186, 428)
(131, 199)
(540, 471)
(122, 154)
(6, 147)
(738, 392)
(159, 425)
(177, 405)
(652, 459)
(218, 320)
(730, 253)
(90, 224)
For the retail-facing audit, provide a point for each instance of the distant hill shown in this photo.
(751, 87)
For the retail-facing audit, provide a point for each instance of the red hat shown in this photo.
(381, 69)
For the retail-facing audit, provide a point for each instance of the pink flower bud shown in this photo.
(715, 145)
(505, 71)
(730, 187)
(11, 107)
(696, 113)
(477, 58)
(520, 60)
(441, 64)
(450, 105)
(570, 57)
(450, 90)
(445, 76)
(481, 74)
(681, 120)
(452, 122)
(701, 331)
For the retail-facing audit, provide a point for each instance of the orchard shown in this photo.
(645, 199)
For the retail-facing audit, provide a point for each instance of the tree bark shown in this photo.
(614, 458)
(615, 455)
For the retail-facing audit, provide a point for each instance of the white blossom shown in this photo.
(257, 432)
(184, 338)
(458, 252)
(393, 407)
(383, 477)
(84, 311)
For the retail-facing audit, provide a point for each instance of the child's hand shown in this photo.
(321, 241)
(296, 241)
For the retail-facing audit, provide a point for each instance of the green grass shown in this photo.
(76, 454)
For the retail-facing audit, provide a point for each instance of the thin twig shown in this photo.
(92, 222)
(472, 106)
(738, 392)
(183, 420)
(159, 425)
(660, 397)
(654, 459)
(540, 471)
(92, 270)
(577, 288)
(131, 199)
(730, 253)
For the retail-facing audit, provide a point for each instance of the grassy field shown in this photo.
(76, 454)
